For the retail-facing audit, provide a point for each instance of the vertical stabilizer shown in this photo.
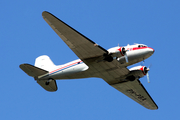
(44, 62)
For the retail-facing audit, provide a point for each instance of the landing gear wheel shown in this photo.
(48, 81)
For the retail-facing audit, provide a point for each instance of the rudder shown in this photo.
(44, 62)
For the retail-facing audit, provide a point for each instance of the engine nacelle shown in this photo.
(117, 51)
(137, 72)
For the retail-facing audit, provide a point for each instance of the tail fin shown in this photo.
(44, 62)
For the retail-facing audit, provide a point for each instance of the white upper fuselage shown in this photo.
(76, 68)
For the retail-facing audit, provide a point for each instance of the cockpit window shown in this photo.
(139, 46)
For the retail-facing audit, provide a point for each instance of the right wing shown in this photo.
(136, 91)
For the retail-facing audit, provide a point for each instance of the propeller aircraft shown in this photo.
(95, 61)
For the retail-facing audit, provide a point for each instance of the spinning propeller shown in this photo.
(126, 57)
(146, 70)
(124, 52)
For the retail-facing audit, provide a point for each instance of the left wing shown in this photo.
(136, 91)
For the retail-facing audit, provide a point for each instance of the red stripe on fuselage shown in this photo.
(65, 67)
(139, 48)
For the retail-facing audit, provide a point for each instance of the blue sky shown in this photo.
(25, 35)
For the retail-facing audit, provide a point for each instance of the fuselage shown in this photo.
(77, 68)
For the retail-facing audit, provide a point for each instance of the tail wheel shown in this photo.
(48, 81)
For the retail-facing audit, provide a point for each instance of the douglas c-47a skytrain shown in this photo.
(95, 61)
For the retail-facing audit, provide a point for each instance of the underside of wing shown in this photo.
(83, 47)
(136, 91)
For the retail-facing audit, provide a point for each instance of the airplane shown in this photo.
(95, 61)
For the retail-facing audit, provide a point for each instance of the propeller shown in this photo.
(126, 57)
(146, 70)
(148, 77)
(124, 52)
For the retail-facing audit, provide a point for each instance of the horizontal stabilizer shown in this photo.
(32, 70)
(51, 87)
(35, 72)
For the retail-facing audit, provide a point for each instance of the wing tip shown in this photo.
(155, 108)
(152, 107)
(45, 12)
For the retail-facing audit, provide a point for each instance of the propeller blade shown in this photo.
(126, 57)
(148, 77)
(150, 66)
(146, 70)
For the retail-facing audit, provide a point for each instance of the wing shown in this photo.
(83, 47)
(136, 91)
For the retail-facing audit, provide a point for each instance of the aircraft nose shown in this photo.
(151, 50)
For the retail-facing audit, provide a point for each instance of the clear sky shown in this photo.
(24, 35)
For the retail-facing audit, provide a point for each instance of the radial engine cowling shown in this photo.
(117, 51)
(137, 72)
